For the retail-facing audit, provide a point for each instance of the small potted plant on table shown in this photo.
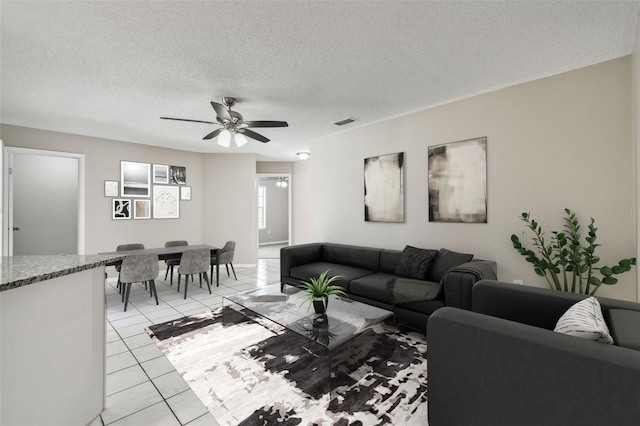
(317, 291)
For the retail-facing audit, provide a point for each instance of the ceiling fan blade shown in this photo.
(265, 123)
(221, 111)
(254, 135)
(186, 119)
(213, 134)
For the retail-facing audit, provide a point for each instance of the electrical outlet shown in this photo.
(518, 282)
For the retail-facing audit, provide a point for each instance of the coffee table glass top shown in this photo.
(343, 319)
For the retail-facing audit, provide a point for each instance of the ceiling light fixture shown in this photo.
(282, 182)
(303, 155)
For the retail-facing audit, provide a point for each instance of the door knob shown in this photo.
(16, 228)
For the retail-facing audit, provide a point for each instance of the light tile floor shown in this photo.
(142, 386)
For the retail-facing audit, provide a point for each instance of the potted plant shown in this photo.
(317, 291)
(565, 262)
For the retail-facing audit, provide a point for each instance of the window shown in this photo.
(262, 203)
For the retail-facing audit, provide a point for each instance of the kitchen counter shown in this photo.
(52, 339)
(18, 271)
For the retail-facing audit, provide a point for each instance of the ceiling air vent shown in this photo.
(345, 121)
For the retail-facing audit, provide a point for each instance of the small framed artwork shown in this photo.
(111, 188)
(185, 193)
(166, 202)
(160, 173)
(135, 179)
(121, 209)
(142, 209)
(384, 188)
(178, 175)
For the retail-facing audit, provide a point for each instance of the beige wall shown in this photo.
(221, 203)
(636, 126)
(562, 141)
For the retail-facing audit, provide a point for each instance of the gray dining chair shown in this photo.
(194, 261)
(173, 262)
(139, 268)
(126, 247)
(226, 258)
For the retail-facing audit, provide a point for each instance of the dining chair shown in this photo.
(126, 247)
(139, 268)
(226, 258)
(173, 262)
(194, 261)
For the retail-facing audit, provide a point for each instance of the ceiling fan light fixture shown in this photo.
(303, 155)
(224, 139)
(240, 139)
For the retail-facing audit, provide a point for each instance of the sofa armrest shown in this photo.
(535, 306)
(300, 254)
(487, 371)
(458, 282)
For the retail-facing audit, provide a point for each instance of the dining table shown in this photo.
(165, 253)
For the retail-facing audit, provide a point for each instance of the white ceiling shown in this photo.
(110, 69)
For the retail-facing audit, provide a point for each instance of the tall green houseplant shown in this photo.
(565, 261)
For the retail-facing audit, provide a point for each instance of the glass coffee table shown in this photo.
(343, 320)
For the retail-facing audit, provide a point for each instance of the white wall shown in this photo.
(303, 203)
(562, 141)
(636, 127)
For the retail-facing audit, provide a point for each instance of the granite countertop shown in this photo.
(18, 271)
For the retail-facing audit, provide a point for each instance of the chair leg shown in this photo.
(200, 275)
(126, 298)
(179, 283)
(166, 274)
(206, 278)
(186, 284)
(172, 275)
(234, 271)
(152, 285)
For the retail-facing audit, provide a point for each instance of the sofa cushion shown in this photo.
(409, 290)
(414, 262)
(584, 320)
(313, 270)
(376, 286)
(389, 260)
(445, 260)
(625, 327)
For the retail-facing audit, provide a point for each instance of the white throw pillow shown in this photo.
(585, 320)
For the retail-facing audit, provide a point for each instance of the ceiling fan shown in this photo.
(233, 127)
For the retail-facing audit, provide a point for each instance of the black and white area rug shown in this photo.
(254, 372)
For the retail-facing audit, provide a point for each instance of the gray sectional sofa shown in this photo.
(369, 275)
(502, 364)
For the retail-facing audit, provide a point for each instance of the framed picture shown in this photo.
(121, 209)
(160, 173)
(166, 202)
(111, 188)
(458, 181)
(384, 188)
(142, 209)
(135, 179)
(178, 175)
(185, 193)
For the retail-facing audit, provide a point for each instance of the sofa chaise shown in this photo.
(503, 364)
(374, 275)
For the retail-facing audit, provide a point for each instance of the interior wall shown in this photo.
(636, 126)
(562, 141)
(230, 204)
(302, 204)
(227, 192)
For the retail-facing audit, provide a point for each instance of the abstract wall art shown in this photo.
(384, 188)
(135, 179)
(458, 181)
(166, 202)
(121, 209)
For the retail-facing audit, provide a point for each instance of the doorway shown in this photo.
(43, 202)
(274, 213)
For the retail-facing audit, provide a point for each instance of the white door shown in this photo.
(43, 203)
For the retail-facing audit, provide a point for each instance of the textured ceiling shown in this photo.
(111, 69)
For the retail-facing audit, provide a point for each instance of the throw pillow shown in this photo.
(414, 262)
(585, 320)
(445, 260)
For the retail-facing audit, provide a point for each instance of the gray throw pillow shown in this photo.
(445, 260)
(414, 262)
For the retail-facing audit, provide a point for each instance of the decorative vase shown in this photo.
(319, 306)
